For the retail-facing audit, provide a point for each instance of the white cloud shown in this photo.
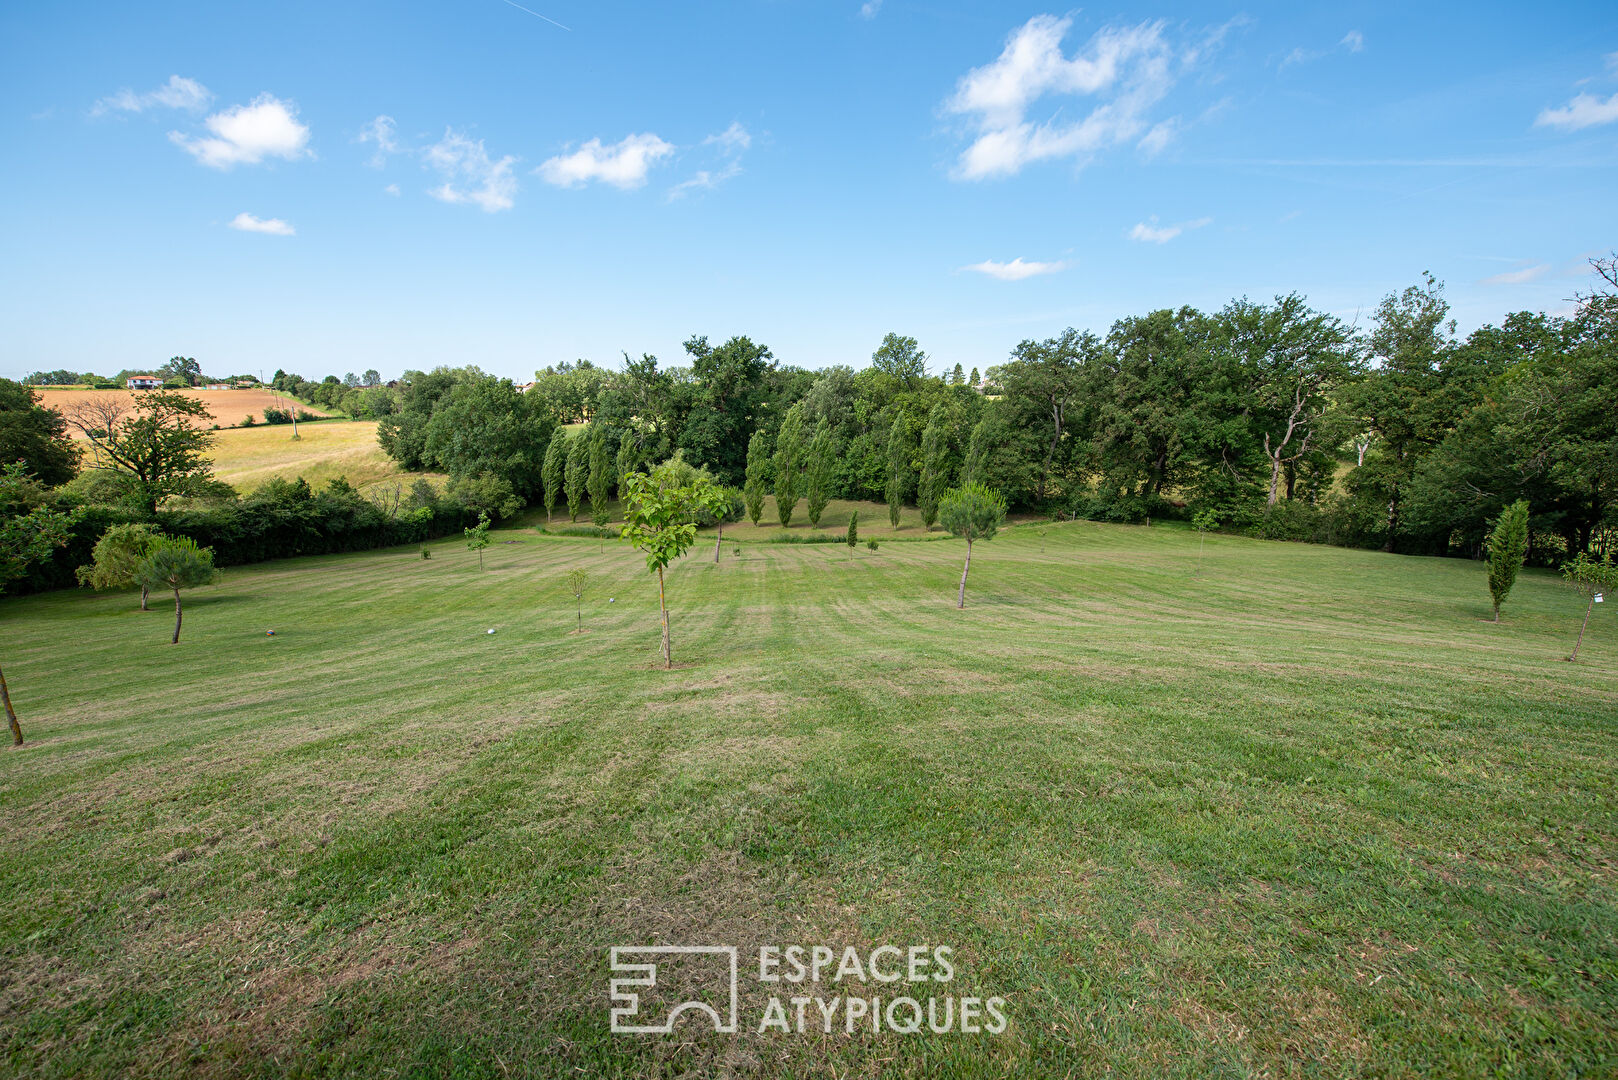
(1300, 55)
(623, 165)
(1131, 66)
(1353, 41)
(1611, 61)
(1518, 277)
(247, 134)
(1154, 141)
(178, 93)
(1583, 111)
(869, 9)
(1150, 232)
(733, 140)
(469, 174)
(1015, 270)
(384, 133)
(273, 226)
(391, 189)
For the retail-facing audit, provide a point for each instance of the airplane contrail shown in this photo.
(537, 15)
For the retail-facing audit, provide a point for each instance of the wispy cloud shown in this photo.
(1518, 277)
(247, 134)
(1150, 232)
(470, 175)
(869, 9)
(246, 222)
(623, 165)
(1353, 41)
(1161, 134)
(1015, 270)
(391, 189)
(733, 140)
(383, 134)
(704, 180)
(1126, 69)
(178, 93)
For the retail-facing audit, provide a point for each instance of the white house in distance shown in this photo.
(144, 382)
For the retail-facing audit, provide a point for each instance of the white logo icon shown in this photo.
(626, 1002)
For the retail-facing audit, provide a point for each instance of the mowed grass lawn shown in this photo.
(1301, 814)
(246, 458)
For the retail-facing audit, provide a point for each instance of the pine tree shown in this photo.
(600, 479)
(1508, 545)
(554, 471)
(758, 463)
(957, 376)
(578, 471)
(817, 478)
(975, 379)
(788, 460)
(898, 468)
(933, 448)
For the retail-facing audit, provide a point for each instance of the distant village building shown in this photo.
(525, 387)
(217, 386)
(144, 382)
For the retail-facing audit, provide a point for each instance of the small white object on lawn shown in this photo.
(491, 631)
(610, 599)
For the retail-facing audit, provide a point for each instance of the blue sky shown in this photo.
(214, 180)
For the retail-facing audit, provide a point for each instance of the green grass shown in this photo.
(1302, 814)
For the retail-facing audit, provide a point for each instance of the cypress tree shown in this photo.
(817, 478)
(554, 469)
(758, 460)
(1508, 545)
(853, 536)
(788, 460)
(578, 471)
(933, 447)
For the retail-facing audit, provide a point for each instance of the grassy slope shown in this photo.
(1302, 814)
(247, 457)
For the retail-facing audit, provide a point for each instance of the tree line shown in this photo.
(1274, 417)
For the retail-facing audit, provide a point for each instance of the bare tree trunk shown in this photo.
(1497, 611)
(143, 598)
(11, 714)
(176, 640)
(960, 597)
(1575, 655)
(668, 646)
(1275, 473)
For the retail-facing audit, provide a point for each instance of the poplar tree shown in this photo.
(898, 469)
(788, 460)
(758, 459)
(933, 447)
(817, 478)
(977, 449)
(600, 480)
(1507, 546)
(578, 471)
(554, 471)
(853, 537)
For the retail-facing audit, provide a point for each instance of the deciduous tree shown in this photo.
(817, 477)
(578, 472)
(554, 471)
(972, 513)
(788, 463)
(117, 555)
(660, 520)
(155, 444)
(1589, 578)
(477, 536)
(758, 463)
(933, 449)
